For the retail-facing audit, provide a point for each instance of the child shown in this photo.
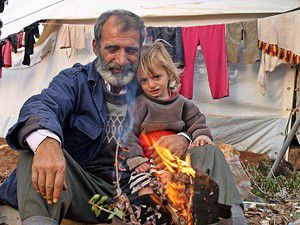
(160, 110)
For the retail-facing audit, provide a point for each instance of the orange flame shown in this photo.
(178, 189)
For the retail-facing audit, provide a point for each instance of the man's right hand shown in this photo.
(49, 170)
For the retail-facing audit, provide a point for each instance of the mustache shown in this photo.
(129, 67)
(115, 66)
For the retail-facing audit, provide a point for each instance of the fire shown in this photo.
(179, 186)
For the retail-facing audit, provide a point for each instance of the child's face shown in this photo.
(155, 86)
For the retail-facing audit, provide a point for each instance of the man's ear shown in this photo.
(95, 50)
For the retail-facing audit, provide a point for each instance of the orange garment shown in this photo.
(148, 139)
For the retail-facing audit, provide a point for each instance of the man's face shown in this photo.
(118, 53)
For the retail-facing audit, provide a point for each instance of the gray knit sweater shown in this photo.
(148, 114)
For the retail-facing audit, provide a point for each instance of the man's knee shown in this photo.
(208, 150)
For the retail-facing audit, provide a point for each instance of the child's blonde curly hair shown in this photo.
(155, 55)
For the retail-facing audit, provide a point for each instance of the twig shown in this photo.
(256, 185)
(253, 179)
(99, 207)
(119, 191)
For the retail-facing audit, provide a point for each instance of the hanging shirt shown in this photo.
(73, 37)
(278, 40)
(235, 33)
(173, 36)
(31, 31)
(6, 53)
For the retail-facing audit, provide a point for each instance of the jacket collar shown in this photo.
(93, 75)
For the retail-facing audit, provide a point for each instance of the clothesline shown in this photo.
(72, 24)
(32, 13)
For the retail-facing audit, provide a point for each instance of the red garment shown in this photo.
(20, 39)
(150, 138)
(6, 53)
(212, 41)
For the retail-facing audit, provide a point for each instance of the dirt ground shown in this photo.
(294, 157)
(8, 160)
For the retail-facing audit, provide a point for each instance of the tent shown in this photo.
(246, 119)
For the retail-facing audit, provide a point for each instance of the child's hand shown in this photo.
(201, 140)
(142, 168)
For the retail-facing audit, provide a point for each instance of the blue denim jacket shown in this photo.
(72, 107)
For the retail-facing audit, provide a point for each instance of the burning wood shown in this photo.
(190, 205)
(178, 186)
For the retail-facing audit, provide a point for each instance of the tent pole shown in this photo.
(289, 138)
(285, 146)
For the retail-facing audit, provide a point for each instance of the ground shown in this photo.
(8, 160)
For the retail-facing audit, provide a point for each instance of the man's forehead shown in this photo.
(112, 31)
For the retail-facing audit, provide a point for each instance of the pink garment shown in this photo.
(6, 54)
(20, 39)
(212, 41)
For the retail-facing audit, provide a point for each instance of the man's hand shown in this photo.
(49, 170)
(177, 145)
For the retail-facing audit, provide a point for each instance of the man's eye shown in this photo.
(112, 49)
(131, 51)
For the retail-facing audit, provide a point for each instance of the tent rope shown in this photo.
(32, 13)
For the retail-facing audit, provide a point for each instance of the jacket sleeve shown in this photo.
(47, 110)
(195, 121)
(132, 129)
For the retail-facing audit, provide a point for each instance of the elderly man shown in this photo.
(68, 133)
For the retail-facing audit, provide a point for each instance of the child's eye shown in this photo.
(156, 77)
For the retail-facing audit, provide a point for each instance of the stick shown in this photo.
(119, 191)
(285, 146)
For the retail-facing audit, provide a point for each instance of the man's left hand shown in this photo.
(177, 145)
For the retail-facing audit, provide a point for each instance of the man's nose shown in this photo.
(121, 57)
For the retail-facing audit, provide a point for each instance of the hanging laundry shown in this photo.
(1, 25)
(1, 58)
(212, 42)
(172, 35)
(2, 2)
(73, 37)
(235, 33)
(268, 64)
(279, 42)
(31, 31)
(6, 54)
(16, 41)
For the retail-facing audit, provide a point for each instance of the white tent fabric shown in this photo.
(245, 119)
(19, 13)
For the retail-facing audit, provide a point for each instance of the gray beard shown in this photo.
(117, 80)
